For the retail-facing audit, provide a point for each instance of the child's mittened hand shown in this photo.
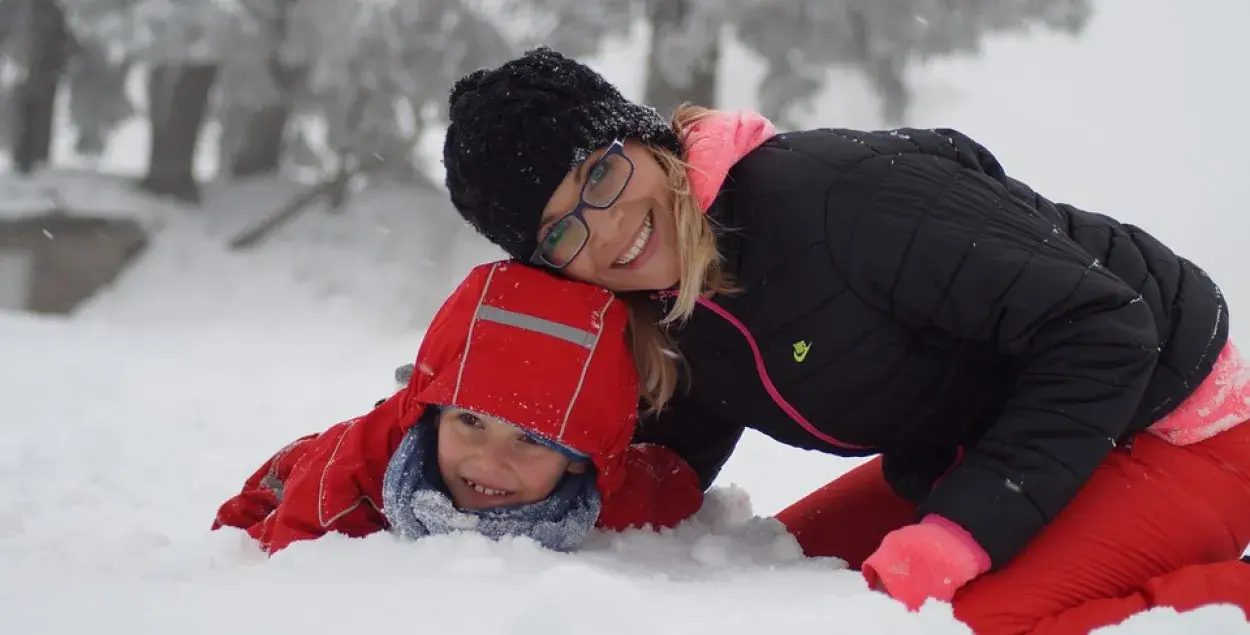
(246, 509)
(658, 489)
(932, 559)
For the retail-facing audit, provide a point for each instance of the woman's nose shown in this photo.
(605, 225)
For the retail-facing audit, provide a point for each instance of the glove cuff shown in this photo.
(972, 550)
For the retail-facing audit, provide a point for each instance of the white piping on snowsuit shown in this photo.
(574, 335)
(571, 334)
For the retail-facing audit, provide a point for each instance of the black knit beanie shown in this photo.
(517, 130)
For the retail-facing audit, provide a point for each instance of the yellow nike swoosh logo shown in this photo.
(800, 351)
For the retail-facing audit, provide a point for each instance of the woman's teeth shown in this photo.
(640, 243)
(486, 490)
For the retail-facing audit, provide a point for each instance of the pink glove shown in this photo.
(932, 559)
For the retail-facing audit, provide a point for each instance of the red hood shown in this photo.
(542, 352)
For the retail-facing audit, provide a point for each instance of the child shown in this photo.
(517, 421)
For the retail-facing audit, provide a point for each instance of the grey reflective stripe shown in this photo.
(539, 325)
(273, 484)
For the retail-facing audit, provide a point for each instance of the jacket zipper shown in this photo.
(775, 394)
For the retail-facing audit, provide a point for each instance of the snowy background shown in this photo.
(124, 426)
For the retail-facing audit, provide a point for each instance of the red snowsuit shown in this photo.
(1162, 523)
(514, 342)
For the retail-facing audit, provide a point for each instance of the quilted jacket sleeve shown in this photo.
(942, 246)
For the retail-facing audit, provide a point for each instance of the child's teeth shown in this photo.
(485, 490)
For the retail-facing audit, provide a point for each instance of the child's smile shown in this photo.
(486, 462)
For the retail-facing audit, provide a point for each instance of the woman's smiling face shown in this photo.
(631, 245)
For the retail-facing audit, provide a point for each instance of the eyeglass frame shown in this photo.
(617, 147)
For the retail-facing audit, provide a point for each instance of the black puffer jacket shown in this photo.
(908, 298)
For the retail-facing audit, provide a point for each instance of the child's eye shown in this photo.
(527, 439)
(470, 420)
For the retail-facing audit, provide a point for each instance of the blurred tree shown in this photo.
(177, 107)
(356, 80)
(349, 82)
(799, 39)
(182, 44)
(9, 54)
(577, 28)
(36, 43)
(95, 78)
(369, 79)
(343, 89)
(375, 76)
(684, 52)
(98, 102)
(256, 96)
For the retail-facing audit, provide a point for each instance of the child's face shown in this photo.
(486, 462)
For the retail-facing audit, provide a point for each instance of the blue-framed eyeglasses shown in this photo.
(564, 239)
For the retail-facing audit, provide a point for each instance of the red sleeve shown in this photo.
(659, 489)
(322, 483)
(262, 491)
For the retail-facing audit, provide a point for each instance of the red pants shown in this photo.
(1160, 525)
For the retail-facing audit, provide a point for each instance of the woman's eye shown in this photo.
(555, 234)
(526, 439)
(470, 420)
(600, 171)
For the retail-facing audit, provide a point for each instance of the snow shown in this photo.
(77, 193)
(389, 266)
(126, 425)
(120, 441)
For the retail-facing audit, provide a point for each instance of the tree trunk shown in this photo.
(333, 189)
(48, 45)
(669, 19)
(266, 128)
(266, 132)
(885, 74)
(178, 103)
(886, 78)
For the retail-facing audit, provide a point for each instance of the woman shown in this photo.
(892, 293)
(517, 423)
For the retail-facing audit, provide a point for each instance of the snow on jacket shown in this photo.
(902, 295)
(513, 342)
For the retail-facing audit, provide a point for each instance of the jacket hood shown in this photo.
(539, 351)
(716, 143)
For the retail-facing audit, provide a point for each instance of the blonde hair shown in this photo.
(702, 275)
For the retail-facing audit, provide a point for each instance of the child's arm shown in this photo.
(321, 483)
(660, 489)
(262, 492)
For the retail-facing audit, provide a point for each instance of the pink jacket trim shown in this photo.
(716, 143)
(1221, 402)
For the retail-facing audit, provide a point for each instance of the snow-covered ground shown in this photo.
(118, 443)
(123, 428)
